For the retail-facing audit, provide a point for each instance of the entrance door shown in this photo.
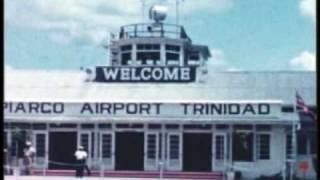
(129, 150)
(84, 140)
(220, 151)
(197, 152)
(174, 151)
(107, 150)
(40, 141)
(151, 151)
(61, 150)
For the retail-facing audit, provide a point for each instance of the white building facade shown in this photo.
(156, 103)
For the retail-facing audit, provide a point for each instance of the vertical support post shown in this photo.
(230, 147)
(44, 166)
(161, 170)
(102, 167)
(293, 139)
(134, 54)
(181, 56)
(254, 143)
(162, 55)
(163, 142)
(177, 12)
(294, 149)
(177, 18)
(143, 7)
(96, 144)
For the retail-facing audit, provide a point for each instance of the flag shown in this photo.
(300, 104)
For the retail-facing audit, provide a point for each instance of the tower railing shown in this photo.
(153, 30)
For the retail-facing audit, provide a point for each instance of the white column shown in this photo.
(181, 57)
(230, 146)
(163, 146)
(96, 144)
(294, 150)
(162, 54)
(254, 143)
(134, 54)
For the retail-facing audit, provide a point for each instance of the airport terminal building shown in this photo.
(156, 101)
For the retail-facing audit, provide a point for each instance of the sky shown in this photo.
(243, 35)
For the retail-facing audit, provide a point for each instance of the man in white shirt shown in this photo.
(81, 156)
(29, 154)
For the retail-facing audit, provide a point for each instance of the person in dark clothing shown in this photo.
(81, 156)
(87, 168)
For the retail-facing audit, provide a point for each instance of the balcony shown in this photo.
(148, 30)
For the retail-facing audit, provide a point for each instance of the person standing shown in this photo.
(81, 156)
(29, 154)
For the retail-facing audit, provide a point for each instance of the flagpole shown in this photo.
(293, 138)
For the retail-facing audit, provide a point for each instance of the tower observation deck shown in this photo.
(156, 44)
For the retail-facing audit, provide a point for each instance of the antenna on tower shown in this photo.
(178, 11)
(143, 4)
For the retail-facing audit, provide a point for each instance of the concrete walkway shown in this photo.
(72, 178)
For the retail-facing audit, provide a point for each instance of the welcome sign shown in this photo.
(171, 74)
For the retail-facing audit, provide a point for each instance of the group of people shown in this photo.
(29, 153)
(28, 157)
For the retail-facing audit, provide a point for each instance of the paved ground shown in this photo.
(70, 178)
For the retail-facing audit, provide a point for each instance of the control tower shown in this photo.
(157, 44)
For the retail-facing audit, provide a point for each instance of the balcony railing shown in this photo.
(153, 30)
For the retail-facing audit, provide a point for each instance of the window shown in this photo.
(287, 109)
(174, 146)
(243, 127)
(135, 126)
(289, 150)
(172, 48)
(154, 126)
(302, 144)
(172, 54)
(151, 146)
(148, 47)
(87, 126)
(263, 127)
(106, 145)
(63, 125)
(194, 56)
(148, 54)
(313, 143)
(242, 147)
(220, 148)
(160, 146)
(172, 58)
(5, 141)
(40, 145)
(126, 58)
(222, 126)
(198, 126)
(172, 126)
(126, 48)
(148, 58)
(39, 126)
(104, 126)
(263, 146)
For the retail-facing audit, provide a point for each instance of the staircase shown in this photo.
(138, 174)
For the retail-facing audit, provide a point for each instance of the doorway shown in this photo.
(129, 151)
(62, 146)
(197, 152)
